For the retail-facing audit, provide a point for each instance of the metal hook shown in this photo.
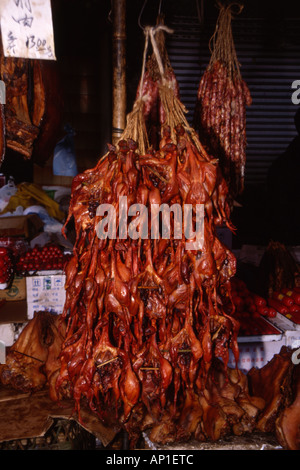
(109, 16)
(200, 11)
(140, 15)
(159, 7)
(142, 10)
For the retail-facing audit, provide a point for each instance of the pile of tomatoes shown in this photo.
(246, 301)
(287, 303)
(6, 267)
(251, 310)
(46, 258)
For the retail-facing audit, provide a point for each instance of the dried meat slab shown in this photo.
(26, 415)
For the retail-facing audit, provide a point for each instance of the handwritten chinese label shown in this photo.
(27, 29)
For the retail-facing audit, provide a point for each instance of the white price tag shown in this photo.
(27, 29)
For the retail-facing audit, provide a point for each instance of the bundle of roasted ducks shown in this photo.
(145, 317)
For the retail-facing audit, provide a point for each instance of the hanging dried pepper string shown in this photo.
(220, 112)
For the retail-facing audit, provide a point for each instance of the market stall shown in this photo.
(126, 306)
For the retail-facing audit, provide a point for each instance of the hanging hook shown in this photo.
(159, 7)
(200, 11)
(142, 11)
(140, 16)
(109, 16)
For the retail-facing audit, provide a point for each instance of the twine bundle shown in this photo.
(221, 44)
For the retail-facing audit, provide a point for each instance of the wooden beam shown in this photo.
(119, 69)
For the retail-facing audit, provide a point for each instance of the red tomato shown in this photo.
(252, 308)
(238, 302)
(294, 308)
(272, 312)
(286, 300)
(296, 297)
(279, 307)
(263, 310)
(259, 301)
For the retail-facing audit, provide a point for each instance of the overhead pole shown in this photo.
(119, 98)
